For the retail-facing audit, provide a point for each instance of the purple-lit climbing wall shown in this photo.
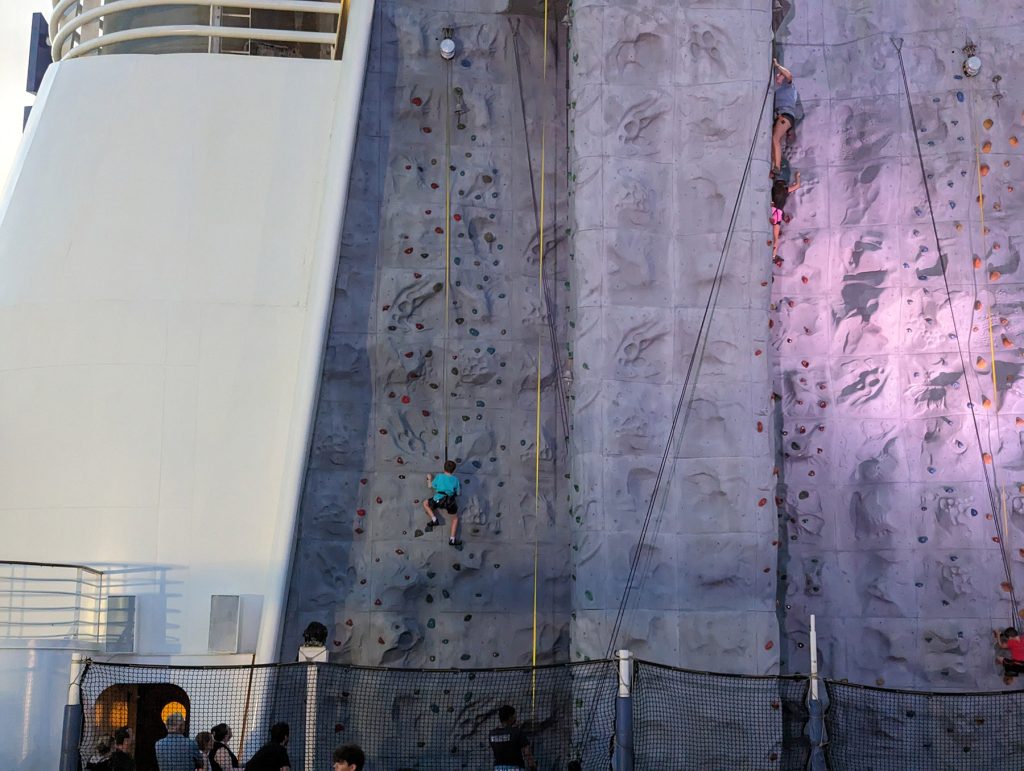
(889, 533)
(665, 101)
(390, 592)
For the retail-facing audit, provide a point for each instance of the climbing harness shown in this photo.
(985, 457)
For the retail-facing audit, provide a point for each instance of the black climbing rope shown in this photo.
(994, 485)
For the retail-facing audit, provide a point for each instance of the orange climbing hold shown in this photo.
(980, 363)
(987, 147)
(984, 169)
(994, 275)
(987, 458)
(977, 305)
(987, 123)
(1014, 141)
(986, 402)
(1007, 343)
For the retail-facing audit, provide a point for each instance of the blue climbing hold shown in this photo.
(959, 96)
(922, 539)
(931, 469)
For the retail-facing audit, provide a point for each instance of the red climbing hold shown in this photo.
(379, 499)
(417, 275)
(408, 354)
(377, 602)
(418, 325)
(426, 413)
(760, 427)
(457, 217)
(399, 552)
(426, 129)
(348, 622)
(762, 502)
(769, 645)
(439, 230)
(416, 101)
(805, 364)
(406, 400)
(361, 512)
(363, 481)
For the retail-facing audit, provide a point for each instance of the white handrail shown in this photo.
(63, 28)
(199, 30)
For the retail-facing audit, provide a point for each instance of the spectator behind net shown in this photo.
(122, 760)
(204, 741)
(220, 755)
(348, 758)
(100, 761)
(509, 744)
(176, 752)
(272, 756)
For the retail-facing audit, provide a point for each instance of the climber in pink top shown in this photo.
(780, 194)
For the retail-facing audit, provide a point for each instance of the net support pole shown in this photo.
(814, 660)
(309, 756)
(71, 734)
(623, 760)
(816, 711)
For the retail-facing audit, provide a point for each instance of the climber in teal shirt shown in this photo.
(446, 489)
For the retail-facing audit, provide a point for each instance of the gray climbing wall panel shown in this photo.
(889, 531)
(665, 100)
(390, 592)
(829, 463)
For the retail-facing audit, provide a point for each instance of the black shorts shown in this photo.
(1012, 668)
(449, 503)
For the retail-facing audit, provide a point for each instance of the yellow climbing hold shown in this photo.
(988, 123)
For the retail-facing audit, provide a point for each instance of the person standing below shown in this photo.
(509, 744)
(785, 113)
(446, 489)
(348, 758)
(121, 759)
(176, 752)
(272, 756)
(220, 755)
(204, 741)
(101, 760)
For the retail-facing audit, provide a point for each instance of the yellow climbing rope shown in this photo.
(447, 247)
(540, 347)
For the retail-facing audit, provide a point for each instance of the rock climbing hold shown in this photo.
(987, 458)
(984, 169)
(1014, 141)
(986, 147)
(987, 123)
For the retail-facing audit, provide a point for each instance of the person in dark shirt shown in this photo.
(101, 760)
(272, 756)
(509, 744)
(121, 759)
(348, 758)
(220, 755)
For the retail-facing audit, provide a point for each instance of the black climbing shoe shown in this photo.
(432, 524)
(453, 542)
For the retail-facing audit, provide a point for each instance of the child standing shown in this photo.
(446, 491)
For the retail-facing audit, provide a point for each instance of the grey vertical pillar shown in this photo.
(664, 102)
(624, 713)
(71, 734)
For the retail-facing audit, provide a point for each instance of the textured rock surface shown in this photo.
(666, 100)
(391, 593)
(837, 369)
(887, 520)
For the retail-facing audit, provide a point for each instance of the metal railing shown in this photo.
(77, 27)
(51, 605)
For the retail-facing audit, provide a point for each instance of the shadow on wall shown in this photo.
(323, 565)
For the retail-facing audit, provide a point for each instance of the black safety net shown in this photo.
(684, 719)
(403, 719)
(879, 729)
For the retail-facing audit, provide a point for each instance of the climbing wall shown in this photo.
(397, 379)
(665, 102)
(888, 530)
